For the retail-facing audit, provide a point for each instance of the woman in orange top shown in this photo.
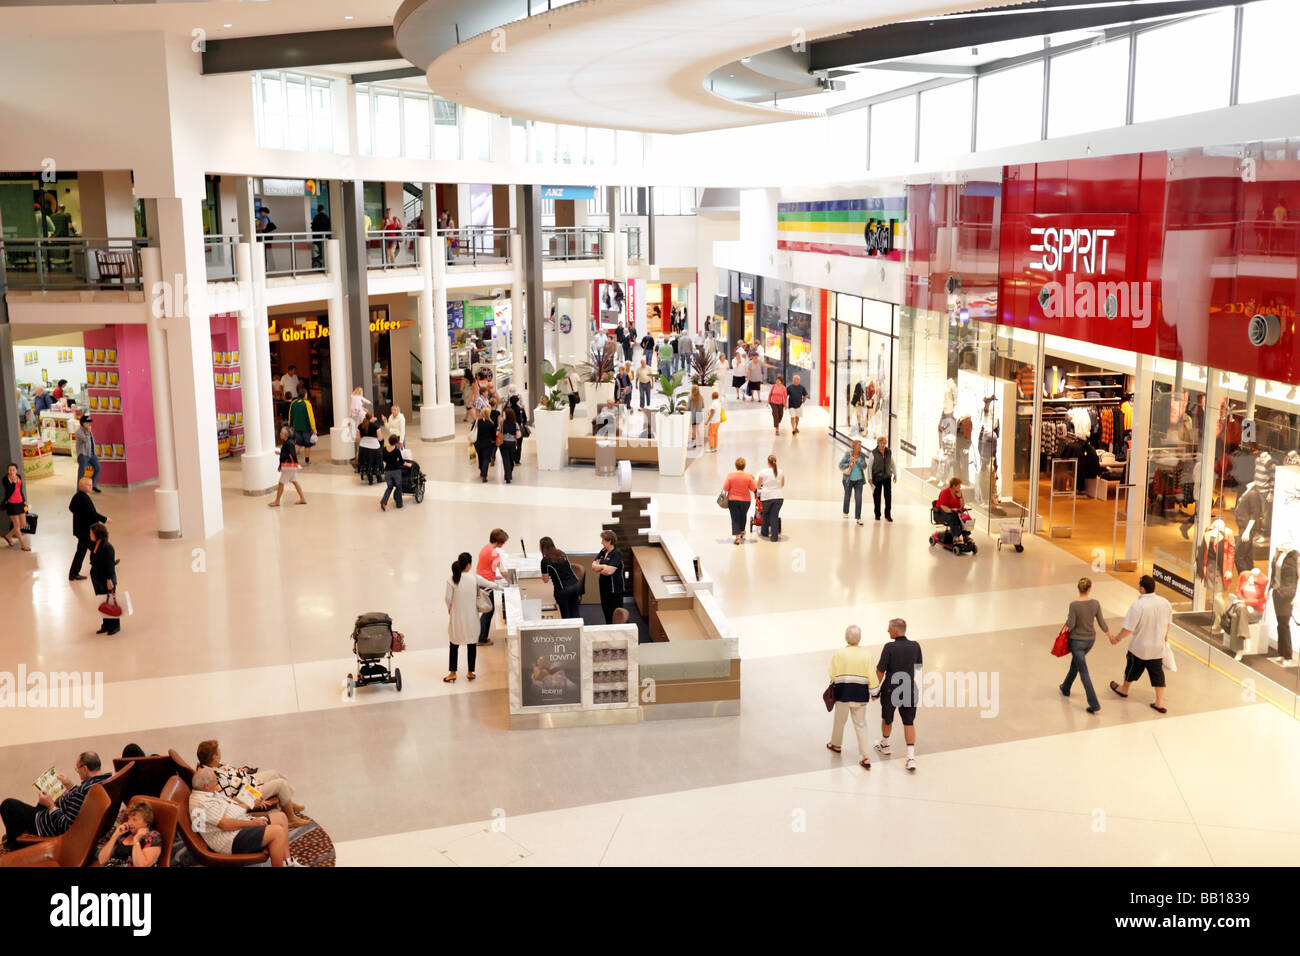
(739, 487)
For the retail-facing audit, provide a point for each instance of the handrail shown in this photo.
(73, 262)
(472, 243)
(306, 252)
(393, 248)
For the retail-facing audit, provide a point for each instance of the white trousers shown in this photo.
(843, 711)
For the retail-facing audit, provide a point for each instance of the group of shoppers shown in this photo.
(857, 468)
(767, 488)
(893, 680)
(500, 426)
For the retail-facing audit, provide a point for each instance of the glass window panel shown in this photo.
(688, 201)
(945, 121)
(600, 147)
(273, 119)
(848, 308)
(893, 133)
(1267, 46)
(518, 141)
(629, 148)
(415, 113)
(849, 132)
(878, 316)
(1184, 68)
(572, 143)
(544, 143)
(364, 145)
(1010, 107)
(446, 130)
(478, 135)
(388, 125)
(295, 132)
(1089, 89)
(322, 117)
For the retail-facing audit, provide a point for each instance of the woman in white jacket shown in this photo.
(462, 606)
(395, 424)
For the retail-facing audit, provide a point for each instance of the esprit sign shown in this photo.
(1070, 250)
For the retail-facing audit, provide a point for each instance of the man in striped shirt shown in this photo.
(852, 680)
(52, 817)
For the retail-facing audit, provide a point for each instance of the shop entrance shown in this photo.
(861, 373)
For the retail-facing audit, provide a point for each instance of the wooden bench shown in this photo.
(639, 451)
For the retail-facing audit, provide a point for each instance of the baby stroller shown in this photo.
(959, 543)
(756, 519)
(413, 478)
(374, 639)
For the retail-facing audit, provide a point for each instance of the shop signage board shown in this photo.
(478, 316)
(550, 666)
(284, 187)
(864, 228)
(1170, 579)
(568, 192)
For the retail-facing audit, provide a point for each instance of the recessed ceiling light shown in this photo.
(347, 18)
(227, 25)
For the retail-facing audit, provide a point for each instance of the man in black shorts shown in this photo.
(899, 692)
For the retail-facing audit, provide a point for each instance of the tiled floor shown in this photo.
(245, 638)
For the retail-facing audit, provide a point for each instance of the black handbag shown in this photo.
(31, 517)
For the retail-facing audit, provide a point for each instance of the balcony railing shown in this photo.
(566, 243)
(294, 253)
(219, 256)
(49, 265)
(393, 248)
(471, 245)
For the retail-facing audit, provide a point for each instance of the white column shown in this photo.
(517, 318)
(189, 361)
(166, 500)
(1138, 452)
(262, 364)
(437, 419)
(341, 447)
(257, 465)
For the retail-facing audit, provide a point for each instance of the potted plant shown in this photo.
(551, 420)
(704, 368)
(674, 424)
(598, 381)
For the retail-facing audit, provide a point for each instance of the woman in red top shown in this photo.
(739, 487)
(15, 502)
(392, 226)
(777, 399)
(951, 504)
(489, 568)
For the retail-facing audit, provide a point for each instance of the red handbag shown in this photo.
(109, 606)
(1062, 645)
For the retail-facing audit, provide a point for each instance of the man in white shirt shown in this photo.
(1147, 625)
(227, 827)
(289, 383)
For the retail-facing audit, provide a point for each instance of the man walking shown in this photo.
(86, 457)
(1147, 626)
(320, 223)
(852, 683)
(896, 672)
(644, 381)
(795, 396)
(648, 347)
(666, 357)
(83, 516)
(883, 476)
(685, 350)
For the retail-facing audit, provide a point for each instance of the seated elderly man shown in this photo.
(227, 827)
(52, 817)
(605, 424)
(269, 783)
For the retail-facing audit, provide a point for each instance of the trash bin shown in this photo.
(605, 460)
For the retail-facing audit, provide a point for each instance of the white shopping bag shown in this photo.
(124, 598)
(1167, 657)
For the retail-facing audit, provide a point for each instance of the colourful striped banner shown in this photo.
(837, 227)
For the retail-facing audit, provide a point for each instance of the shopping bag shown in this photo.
(30, 523)
(125, 600)
(483, 603)
(1167, 658)
(1062, 645)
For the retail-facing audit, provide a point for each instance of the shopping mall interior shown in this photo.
(601, 294)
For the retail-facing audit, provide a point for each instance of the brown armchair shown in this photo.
(75, 847)
(165, 815)
(177, 792)
(183, 770)
(150, 772)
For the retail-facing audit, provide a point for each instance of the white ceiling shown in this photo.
(642, 64)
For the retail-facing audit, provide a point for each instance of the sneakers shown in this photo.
(882, 748)
(910, 765)
(292, 862)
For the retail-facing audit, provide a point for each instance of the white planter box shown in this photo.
(596, 395)
(672, 431)
(551, 438)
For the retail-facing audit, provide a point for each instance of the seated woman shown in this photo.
(134, 841)
(269, 783)
(568, 589)
(951, 504)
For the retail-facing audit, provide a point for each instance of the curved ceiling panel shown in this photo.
(633, 64)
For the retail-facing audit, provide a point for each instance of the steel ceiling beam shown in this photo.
(288, 51)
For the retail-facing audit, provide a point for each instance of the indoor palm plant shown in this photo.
(551, 420)
(673, 425)
(704, 367)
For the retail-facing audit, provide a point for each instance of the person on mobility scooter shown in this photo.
(950, 511)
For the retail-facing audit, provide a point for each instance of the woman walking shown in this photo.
(771, 491)
(521, 417)
(568, 589)
(15, 498)
(714, 420)
(739, 486)
(394, 467)
(511, 436)
(697, 409)
(1084, 613)
(853, 469)
(462, 610)
(776, 399)
(392, 226)
(486, 435)
(739, 369)
(103, 573)
(754, 375)
(288, 469)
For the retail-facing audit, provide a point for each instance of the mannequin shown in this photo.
(1284, 570)
(988, 447)
(949, 397)
(1213, 558)
(1253, 505)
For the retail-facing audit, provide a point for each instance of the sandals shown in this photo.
(1114, 685)
(832, 748)
(864, 763)
(450, 678)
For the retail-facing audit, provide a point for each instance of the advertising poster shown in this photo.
(550, 666)
(772, 345)
(800, 351)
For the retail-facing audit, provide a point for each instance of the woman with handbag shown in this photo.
(853, 469)
(1083, 614)
(103, 576)
(15, 498)
(462, 607)
(510, 435)
(517, 406)
(487, 438)
(737, 490)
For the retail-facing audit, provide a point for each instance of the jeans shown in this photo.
(771, 525)
(883, 486)
(1079, 666)
(471, 653)
(739, 511)
(853, 488)
(485, 619)
(91, 461)
(645, 393)
(393, 478)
